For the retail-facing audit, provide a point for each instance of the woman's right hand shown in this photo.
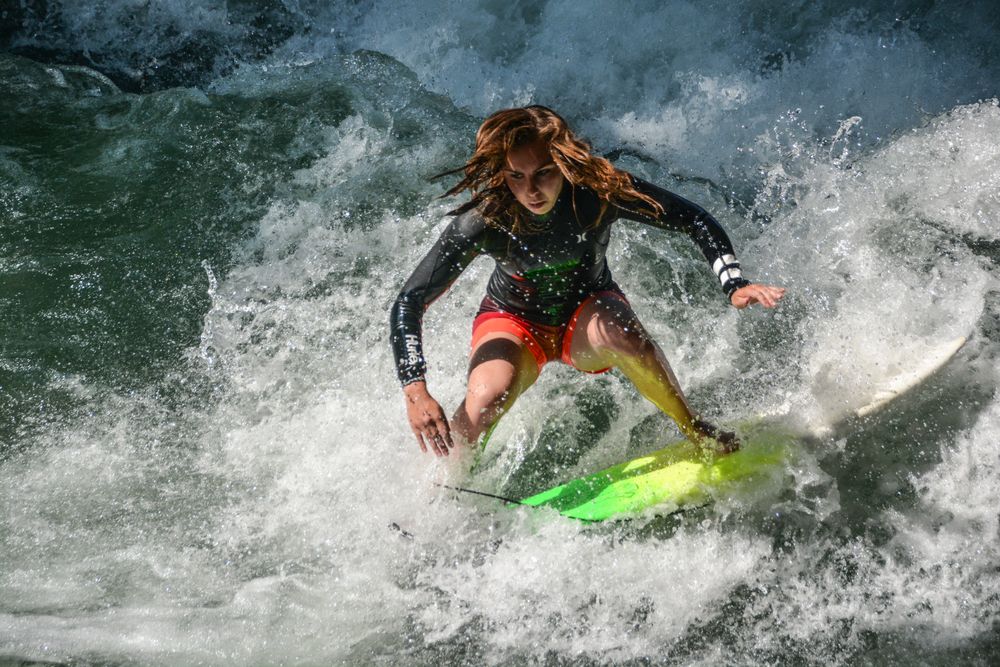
(427, 419)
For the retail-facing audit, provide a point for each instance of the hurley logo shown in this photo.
(412, 350)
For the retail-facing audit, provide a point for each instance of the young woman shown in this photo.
(542, 207)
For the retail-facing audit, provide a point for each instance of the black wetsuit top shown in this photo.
(543, 276)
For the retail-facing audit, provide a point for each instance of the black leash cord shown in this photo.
(509, 501)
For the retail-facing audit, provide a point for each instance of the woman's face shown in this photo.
(533, 177)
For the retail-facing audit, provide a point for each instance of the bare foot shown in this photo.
(716, 440)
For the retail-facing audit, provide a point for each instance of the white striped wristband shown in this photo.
(727, 269)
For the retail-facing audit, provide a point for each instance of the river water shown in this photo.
(207, 210)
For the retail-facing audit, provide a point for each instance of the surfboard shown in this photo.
(678, 475)
(930, 363)
(682, 475)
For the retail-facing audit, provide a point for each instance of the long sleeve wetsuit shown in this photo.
(543, 276)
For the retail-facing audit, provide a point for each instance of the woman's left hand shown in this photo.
(766, 295)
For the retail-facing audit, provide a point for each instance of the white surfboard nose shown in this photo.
(904, 382)
(925, 365)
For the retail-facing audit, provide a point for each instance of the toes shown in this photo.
(725, 442)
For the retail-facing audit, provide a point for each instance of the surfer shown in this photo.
(542, 207)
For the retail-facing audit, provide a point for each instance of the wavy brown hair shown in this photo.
(511, 128)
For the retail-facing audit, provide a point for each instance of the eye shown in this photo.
(516, 175)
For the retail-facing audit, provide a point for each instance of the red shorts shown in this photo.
(547, 343)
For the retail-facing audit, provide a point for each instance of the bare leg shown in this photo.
(501, 367)
(609, 334)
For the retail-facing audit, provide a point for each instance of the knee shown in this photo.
(485, 401)
(488, 393)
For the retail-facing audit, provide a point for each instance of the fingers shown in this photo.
(766, 295)
(429, 442)
(438, 433)
(420, 440)
(428, 423)
(770, 296)
(435, 435)
(444, 430)
(439, 444)
(443, 435)
(429, 439)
